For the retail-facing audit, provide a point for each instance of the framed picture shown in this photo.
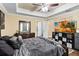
(2, 20)
(65, 26)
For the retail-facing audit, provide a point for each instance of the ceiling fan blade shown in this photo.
(36, 4)
(54, 4)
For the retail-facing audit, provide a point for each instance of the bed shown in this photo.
(38, 47)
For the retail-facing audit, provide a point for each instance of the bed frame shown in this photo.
(66, 49)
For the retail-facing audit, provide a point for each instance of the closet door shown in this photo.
(39, 29)
(42, 29)
(45, 29)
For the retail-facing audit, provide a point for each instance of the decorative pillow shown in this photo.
(13, 42)
(14, 39)
(5, 38)
(20, 40)
(5, 49)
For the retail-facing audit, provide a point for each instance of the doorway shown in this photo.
(42, 29)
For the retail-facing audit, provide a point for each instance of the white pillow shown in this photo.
(14, 38)
(20, 39)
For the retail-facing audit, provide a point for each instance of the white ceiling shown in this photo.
(10, 7)
(34, 10)
(39, 6)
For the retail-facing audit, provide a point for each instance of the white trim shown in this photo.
(14, 14)
(23, 11)
(62, 8)
(3, 8)
(65, 14)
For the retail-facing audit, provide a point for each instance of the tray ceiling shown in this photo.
(38, 9)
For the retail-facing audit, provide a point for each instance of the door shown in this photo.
(42, 29)
(45, 29)
(39, 29)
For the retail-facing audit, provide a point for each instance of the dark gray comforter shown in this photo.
(39, 47)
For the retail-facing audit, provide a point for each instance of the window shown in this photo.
(24, 26)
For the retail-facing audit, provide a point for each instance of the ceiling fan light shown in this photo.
(44, 9)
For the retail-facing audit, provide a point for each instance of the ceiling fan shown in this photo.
(44, 7)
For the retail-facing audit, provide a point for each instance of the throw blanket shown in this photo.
(39, 47)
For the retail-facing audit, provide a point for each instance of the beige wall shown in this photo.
(12, 21)
(12, 24)
(50, 28)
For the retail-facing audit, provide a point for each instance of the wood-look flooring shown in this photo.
(74, 53)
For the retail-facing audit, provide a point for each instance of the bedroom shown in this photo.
(37, 21)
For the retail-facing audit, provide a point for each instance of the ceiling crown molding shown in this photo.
(58, 10)
(47, 14)
(2, 8)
